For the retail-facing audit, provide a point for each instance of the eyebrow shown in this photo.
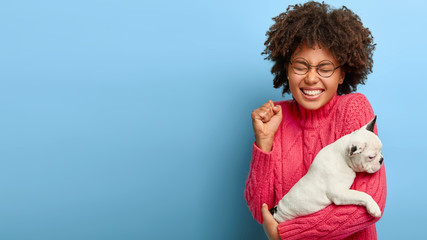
(305, 61)
(301, 61)
(323, 62)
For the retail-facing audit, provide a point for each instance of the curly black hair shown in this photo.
(339, 30)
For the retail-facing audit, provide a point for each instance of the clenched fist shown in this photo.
(266, 121)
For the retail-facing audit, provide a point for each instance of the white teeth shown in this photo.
(312, 92)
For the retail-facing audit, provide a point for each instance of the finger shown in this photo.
(269, 223)
(269, 108)
(277, 109)
(271, 105)
(265, 113)
(263, 212)
(266, 215)
(258, 114)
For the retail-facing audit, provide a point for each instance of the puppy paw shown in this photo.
(373, 209)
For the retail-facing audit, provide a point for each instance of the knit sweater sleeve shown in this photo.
(338, 222)
(260, 183)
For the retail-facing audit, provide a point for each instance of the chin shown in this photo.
(373, 169)
(310, 105)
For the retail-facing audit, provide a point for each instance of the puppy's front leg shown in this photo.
(353, 197)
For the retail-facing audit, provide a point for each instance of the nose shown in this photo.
(311, 76)
(381, 160)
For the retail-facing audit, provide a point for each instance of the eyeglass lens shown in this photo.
(325, 68)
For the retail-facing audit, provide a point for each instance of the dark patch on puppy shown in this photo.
(273, 210)
(353, 149)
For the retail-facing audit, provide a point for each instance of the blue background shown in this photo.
(131, 120)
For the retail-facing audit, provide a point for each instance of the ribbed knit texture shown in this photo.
(299, 138)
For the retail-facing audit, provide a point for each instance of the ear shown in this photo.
(370, 126)
(356, 148)
(342, 77)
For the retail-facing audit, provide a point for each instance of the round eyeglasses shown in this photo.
(325, 68)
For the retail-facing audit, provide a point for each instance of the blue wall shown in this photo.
(131, 120)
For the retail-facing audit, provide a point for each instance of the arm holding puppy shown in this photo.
(339, 222)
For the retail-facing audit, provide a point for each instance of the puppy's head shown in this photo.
(364, 150)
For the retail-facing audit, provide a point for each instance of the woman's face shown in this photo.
(311, 90)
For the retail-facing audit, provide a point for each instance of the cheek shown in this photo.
(291, 82)
(332, 84)
(295, 80)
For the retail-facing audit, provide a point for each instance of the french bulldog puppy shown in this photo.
(331, 175)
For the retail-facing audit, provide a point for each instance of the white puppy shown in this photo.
(331, 175)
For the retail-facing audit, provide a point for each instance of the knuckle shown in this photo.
(253, 114)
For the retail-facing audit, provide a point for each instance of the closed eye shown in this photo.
(372, 157)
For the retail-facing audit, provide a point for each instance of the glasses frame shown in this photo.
(316, 66)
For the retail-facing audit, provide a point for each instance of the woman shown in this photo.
(320, 55)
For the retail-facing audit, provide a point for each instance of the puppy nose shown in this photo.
(381, 160)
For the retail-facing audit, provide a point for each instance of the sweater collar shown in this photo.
(313, 118)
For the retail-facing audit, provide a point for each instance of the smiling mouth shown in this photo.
(312, 92)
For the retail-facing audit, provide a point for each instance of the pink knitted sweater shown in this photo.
(299, 138)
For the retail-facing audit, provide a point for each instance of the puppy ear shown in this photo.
(356, 148)
(370, 126)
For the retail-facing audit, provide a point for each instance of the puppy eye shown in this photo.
(372, 157)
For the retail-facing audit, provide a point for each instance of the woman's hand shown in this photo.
(266, 121)
(269, 224)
